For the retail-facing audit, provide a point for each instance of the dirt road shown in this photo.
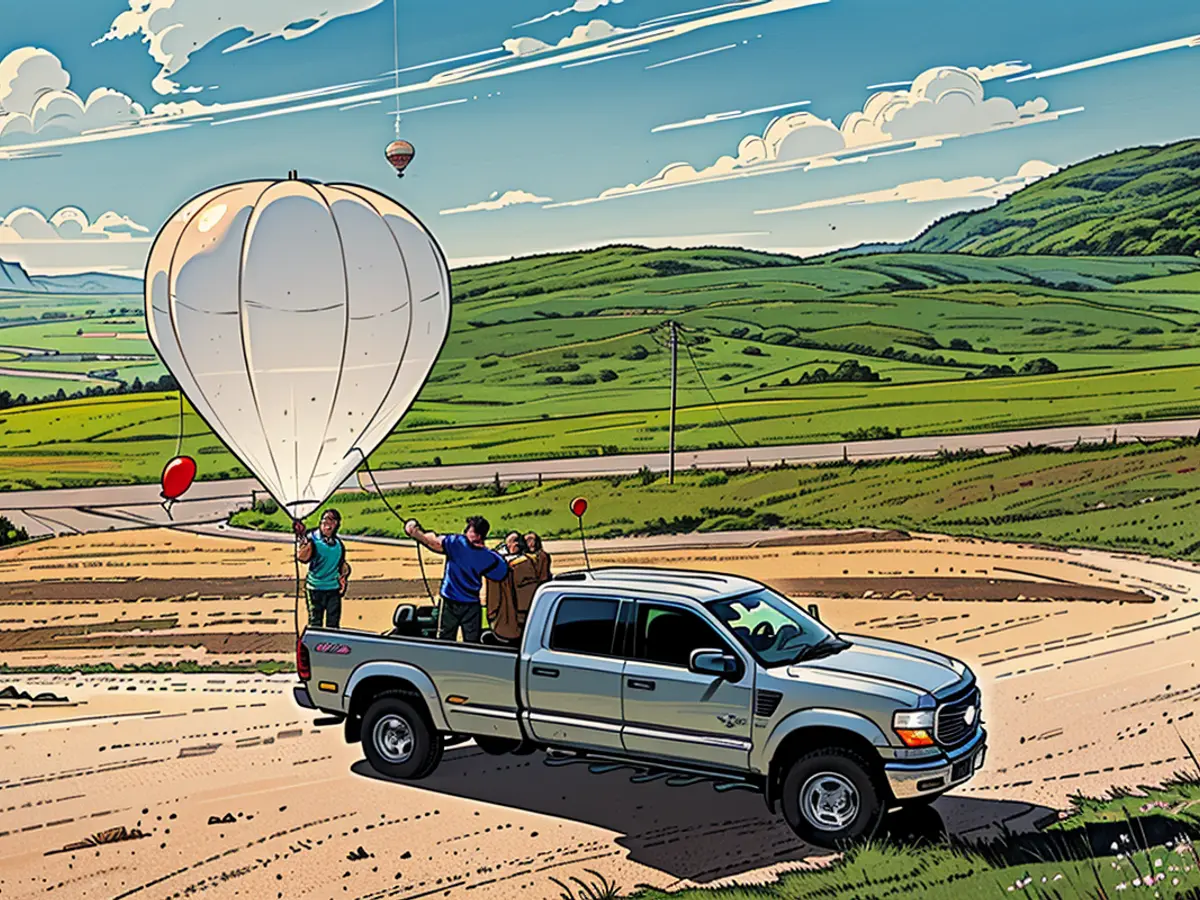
(1080, 694)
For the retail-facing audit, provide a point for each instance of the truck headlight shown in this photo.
(914, 727)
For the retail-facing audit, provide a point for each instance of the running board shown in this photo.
(676, 776)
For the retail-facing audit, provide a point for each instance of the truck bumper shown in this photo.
(300, 695)
(910, 780)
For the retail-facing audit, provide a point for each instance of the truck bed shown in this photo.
(472, 688)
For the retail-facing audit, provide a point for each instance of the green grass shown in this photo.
(1128, 498)
(1141, 201)
(1106, 846)
(885, 872)
(563, 355)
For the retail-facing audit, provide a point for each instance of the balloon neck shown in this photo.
(166, 505)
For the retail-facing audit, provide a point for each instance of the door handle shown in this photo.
(640, 684)
(544, 671)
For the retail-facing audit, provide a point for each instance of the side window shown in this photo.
(584, 625)
(667, 635)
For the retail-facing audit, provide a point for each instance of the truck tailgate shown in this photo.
(473, 686)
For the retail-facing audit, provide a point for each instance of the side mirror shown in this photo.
(814, 611)
(713, 662)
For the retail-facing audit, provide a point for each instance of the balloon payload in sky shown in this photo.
(300, 319)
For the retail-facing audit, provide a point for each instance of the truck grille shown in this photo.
(950, 725)
(766, 702)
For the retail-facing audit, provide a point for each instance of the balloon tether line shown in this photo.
(395, 68)
(378, 490)
(167, 501)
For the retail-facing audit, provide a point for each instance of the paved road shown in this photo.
(70, 510)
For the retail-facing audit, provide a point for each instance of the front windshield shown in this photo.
(769, 625)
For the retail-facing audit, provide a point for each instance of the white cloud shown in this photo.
(68, 241)
(173, 115)
(999, 70)
(508, 198)
(595, 30)
(1148, 50)
(713, 118)
(68, 224)
(943, 103)
(36, 102)
(679, 59)
(175, 29)
(579, 6)
(933, 190)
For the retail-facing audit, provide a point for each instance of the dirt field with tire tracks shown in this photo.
(157, 786)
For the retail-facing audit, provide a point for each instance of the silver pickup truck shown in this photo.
(693, 672)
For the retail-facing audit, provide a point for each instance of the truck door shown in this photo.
(573, 676)
(673, 712)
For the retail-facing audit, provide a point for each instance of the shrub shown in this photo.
(10, 533)
(608, 375)
(713, 479)
(636, 352)
(1039, 366)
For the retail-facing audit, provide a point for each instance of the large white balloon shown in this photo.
(300, 319)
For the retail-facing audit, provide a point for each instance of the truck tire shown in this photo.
(398, 739)
(831, 799)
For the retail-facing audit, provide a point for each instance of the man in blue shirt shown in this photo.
(325, 554)
(468, 562)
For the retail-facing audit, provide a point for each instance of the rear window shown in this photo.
(584, 625)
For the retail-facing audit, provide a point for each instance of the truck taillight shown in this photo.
(303, 666)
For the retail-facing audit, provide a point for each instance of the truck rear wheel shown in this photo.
(831, 799)
(399, 740)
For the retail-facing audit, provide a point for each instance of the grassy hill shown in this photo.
(564, 355)
(1069, 309)
(1141, 201)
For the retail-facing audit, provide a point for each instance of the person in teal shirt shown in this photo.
(328, 570)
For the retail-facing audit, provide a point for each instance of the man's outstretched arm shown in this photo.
(424, 538)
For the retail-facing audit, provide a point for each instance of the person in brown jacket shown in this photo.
(542, 559)
(508, 601)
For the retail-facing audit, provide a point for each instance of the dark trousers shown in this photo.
(453, 615)
(324, 608)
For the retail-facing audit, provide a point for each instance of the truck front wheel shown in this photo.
(398, 739)
(831, 799)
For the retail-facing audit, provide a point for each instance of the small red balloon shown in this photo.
(578, 506)
(177, 476)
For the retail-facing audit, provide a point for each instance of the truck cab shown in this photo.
(694, 672)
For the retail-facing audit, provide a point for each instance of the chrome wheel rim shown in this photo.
(393, 738)
(829, 801)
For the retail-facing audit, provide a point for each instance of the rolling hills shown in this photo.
(565, 354)
(1141, 201)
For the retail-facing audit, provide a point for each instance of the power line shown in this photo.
(688, 347)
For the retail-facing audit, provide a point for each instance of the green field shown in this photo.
(566, 354)
(1129, 498)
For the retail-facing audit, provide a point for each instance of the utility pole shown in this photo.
(674, 369)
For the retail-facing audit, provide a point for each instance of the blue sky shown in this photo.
(560, 126)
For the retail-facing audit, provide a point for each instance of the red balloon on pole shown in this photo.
(177, 477)
(578, 506)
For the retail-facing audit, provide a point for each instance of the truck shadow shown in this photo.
(683, 827)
